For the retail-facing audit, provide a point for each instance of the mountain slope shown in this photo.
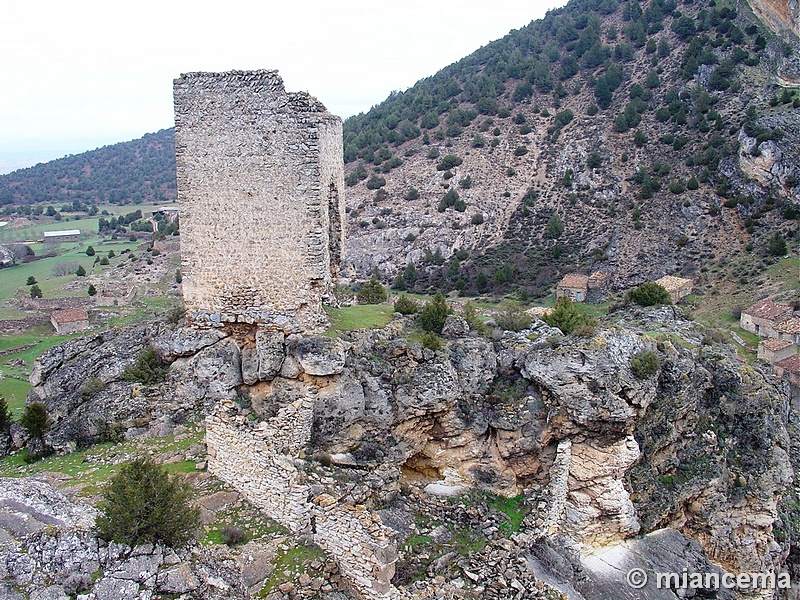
(640, 139)
(139, 171)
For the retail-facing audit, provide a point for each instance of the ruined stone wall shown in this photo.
(260, 461)
(260, 185)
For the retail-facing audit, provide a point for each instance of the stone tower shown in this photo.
(260, 190)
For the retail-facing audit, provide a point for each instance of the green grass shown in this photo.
(15, 392)
(368, 316)
(787, 271)
(92, 466)
(513, 508)
(12, 388)
(42, 270)
(289, 564)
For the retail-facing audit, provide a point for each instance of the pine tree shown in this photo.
(35, 420)
(566, 316)
(434, 313)
(5, 415)
(143, 504)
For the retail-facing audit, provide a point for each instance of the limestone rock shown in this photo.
(171, 343)
(109, 588)
(455, 326)
(177, 580)
(208, 376)
(318, 355)
(270, 352)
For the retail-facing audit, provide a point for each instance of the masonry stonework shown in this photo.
(260, 188)
(261, 461)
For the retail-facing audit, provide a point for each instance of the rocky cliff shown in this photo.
(371, 445)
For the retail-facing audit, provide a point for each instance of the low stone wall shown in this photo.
(260, 461)
(257, 461)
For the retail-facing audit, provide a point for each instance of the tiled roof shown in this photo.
(791, 364)
(790, 325)
(774, 344)
(573, 280)
(673, 284)
(598, 279)
(767, 309)
(70, 315)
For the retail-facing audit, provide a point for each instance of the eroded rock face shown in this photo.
(701, 447)
(204, 369)
(317, 355)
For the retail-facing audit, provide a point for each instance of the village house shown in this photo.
(70, 320)
(62, 235)
(677, 287)
(599, 280)
(763, 316)
(573, 285)
(789, 330)
(774, 350)
(788, 369)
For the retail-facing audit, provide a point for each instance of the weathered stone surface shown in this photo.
(185, 341)
(278, 178)
(318, 355)
(271, 354)
(53, 592)
(249, 366)
(208, 376)
(455, 326)
(177, 580)
(591, 384)
(109, 588)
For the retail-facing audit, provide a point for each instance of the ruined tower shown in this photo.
(260, 190)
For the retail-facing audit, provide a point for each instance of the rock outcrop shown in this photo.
(700, 448)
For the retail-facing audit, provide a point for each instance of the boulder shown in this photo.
(318, 355)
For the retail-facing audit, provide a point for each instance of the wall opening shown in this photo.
(334, 229)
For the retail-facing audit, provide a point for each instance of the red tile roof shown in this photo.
(767, 309)
(791, 364)
(774, 344)
(573, 280)
(790, 325)
(70, 315)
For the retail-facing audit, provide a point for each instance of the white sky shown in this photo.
(81, 74)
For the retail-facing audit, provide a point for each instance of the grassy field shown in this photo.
(87, 225)
(369, 316)
(14, 384)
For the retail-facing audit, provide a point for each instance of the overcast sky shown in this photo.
(82, 74)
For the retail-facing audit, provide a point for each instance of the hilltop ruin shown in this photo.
(260, 179)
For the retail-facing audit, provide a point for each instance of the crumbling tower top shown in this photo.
(260, 190)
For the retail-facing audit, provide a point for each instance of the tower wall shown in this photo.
(260, 190)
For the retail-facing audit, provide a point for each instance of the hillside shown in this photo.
(636, 138)
(135, 172)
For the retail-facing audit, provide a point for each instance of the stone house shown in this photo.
(788, 369)
(599, 280)
(677, 287)
(70, 320)
(763, 316)
(774, 350)
(573, 285)
(789, 330)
